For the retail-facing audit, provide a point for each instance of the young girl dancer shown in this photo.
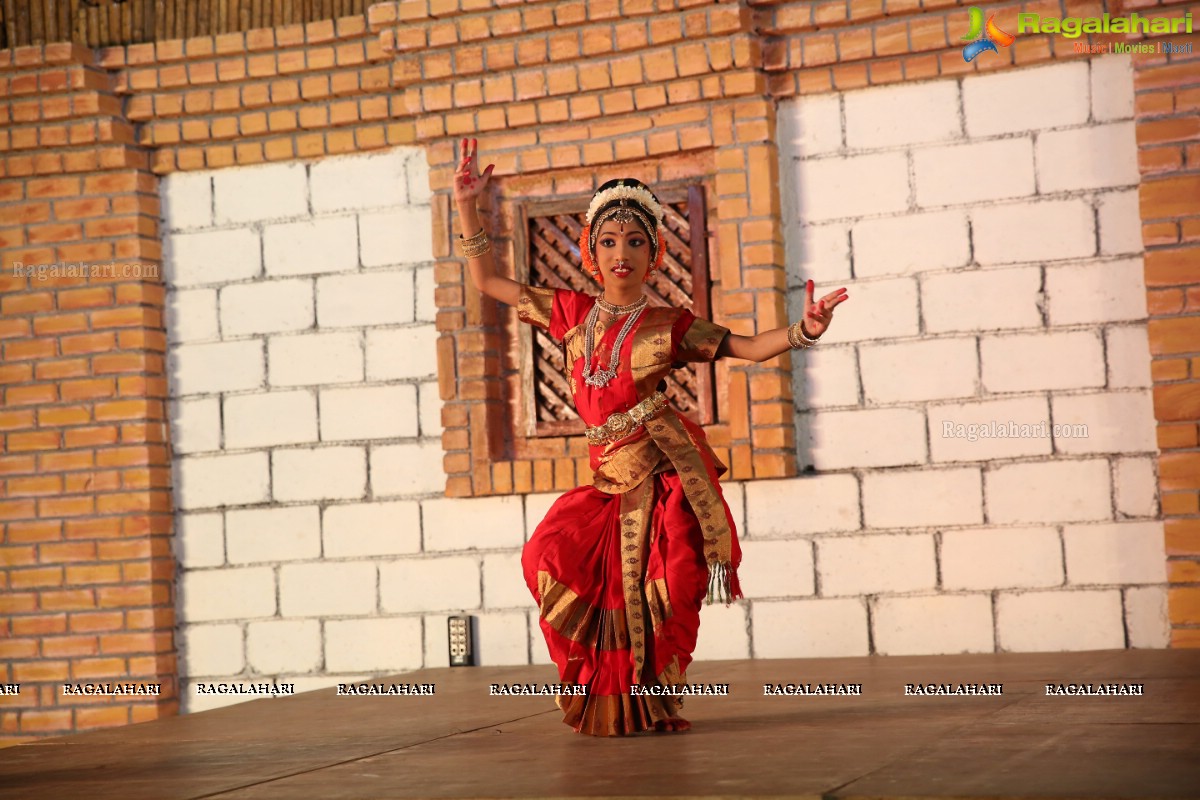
(620, 568)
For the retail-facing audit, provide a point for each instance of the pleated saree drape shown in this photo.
(620, 569)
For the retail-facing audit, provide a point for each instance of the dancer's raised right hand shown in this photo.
(469, 182)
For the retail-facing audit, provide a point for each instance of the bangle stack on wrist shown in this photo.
(797, 338)
(477, 245)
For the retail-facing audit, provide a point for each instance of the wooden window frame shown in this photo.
(528, 426)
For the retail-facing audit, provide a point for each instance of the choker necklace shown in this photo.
(601, 377)
(619, 310)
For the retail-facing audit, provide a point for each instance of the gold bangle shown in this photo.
(797, 338)
(477, 245)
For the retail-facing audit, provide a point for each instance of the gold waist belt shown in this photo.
(623, 423)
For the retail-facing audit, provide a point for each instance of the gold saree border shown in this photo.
(658, 602)
(650, 356)
(701, 340)
(616, 714)
(702, 493)
(576, 619)
(636, 506)
(630, 464)
(621, 473)
(535, 304)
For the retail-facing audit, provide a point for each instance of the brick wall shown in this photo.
(1168, 137)
(100, 23)
(86, 588)
(569, 88)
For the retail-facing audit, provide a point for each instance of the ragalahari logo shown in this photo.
(984, 37)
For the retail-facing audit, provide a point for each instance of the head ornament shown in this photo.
(624, 200)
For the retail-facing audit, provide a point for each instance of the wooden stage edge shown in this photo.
(462, 742)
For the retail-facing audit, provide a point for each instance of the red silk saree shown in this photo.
(620, 568)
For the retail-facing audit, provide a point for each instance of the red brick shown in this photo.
(30, 349)
(1181, 504)
(1183, 605)
(1153, 103)
(85, 298)
(134, 595)
(819, 49)
(34, 531)
(90, 573)
(1179, 129)
(1172, 267)
(1165, 77)
(1178, 335)
(95, 528)
(31, 302)
(1170, 197)
(88, 389)
(854, 45)
(1179, 471)
(34, 486)
(46, 720)
(85, 669)
(68, 600)
(16, 420)
(102, 717)
(69, 646)
(60, 323)
(36, 578)
(33, 440)
(1163, 370)
(39, 625)
(63, 462)
(1157, 234)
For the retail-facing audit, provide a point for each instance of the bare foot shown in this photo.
(672, 725)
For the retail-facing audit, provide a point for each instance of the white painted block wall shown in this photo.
(988, 234)
(315, 545)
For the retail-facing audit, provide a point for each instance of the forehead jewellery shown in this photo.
(623, 203)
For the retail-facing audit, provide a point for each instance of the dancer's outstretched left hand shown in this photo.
(819, 315)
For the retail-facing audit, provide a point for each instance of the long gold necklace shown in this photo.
(601, 377)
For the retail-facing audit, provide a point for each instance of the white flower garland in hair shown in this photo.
(637, 193)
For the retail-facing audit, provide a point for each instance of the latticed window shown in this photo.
(547, 238)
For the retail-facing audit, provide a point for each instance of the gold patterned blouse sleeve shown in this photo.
(535, 305)
(700, 339)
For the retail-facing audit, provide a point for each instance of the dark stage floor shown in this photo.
(463, 743)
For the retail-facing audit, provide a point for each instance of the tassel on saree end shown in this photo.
(723, 585)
